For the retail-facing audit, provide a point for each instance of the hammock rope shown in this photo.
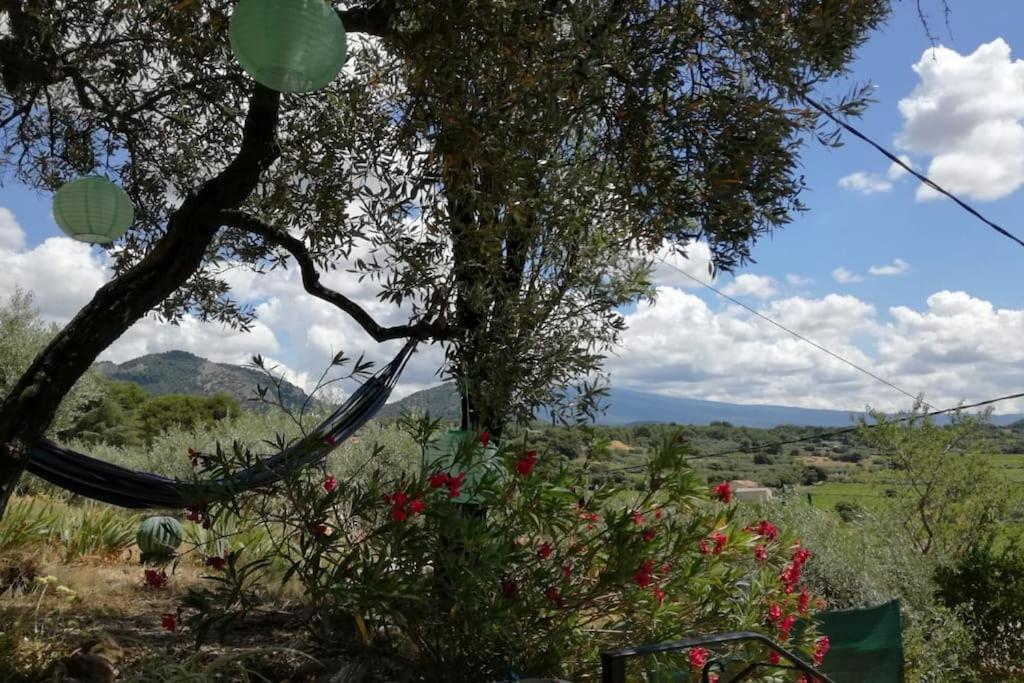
(109, 483)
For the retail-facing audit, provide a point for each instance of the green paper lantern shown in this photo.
(288, 45)
(158, 538)
(93, 209)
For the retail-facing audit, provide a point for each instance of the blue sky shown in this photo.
(947, 248)
(944, 317)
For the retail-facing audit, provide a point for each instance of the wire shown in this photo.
(799, 336)
(923, 178)
(757, 448)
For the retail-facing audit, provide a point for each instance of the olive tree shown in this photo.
(502, 169)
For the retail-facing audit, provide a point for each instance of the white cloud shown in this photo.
(865, 183)
(303, 332)
(956, 349)
(750, 285)
(695, 263)
(798, 280)
(897, 267)
(966, 113)
(12, 237)
(61, 274)
(845, 276)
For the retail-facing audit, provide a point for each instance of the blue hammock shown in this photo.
(103, 481)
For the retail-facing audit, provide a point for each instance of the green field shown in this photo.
(868, 489)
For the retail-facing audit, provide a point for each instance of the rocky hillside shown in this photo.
(180, 372)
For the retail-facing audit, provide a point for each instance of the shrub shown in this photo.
(516, 565)
(987, 587)
(870, 561)
(849, 511)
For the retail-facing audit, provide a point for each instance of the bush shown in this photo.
(987, 587)
(849, 511)
(871, 561)
(476, 571)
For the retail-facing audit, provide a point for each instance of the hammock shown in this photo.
(103, 481)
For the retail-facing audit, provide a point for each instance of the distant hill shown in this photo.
(626, 406)
(180, 372)
(440, 401)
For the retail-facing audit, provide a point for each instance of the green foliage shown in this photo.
(951, 495)
(96, 530)
(192, 413)
(23, 333)
(986, 587)
(542, 575)
(870, 561)
(28, 522)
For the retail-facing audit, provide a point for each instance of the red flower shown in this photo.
(644, 575)
(659, 594)
(194, 514)
(169, 622)
(821, 648)
(331, 441)
(723, 492)
(322, 530)
(567, 570)
(509, 589)
(455, 485)
(705, 547)
(820, 603)
(774, 657)
(525, 464)
(698, 657)
(720, 540)
(665, 569)
(648, 535)
(438, 479)
(786, 626)
(218, 563)
(402, 507)
(760, 553)
(800, 556)
(544, 550)
(712, 678)
(485, 438)
(790, 576)
(657, 513)
(766, 529)
(193, 456)
(804, 600)
(774, 612)
(552, 594)
(330, 483)
(638, 518)
(154, 579)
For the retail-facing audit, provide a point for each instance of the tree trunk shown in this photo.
(27, 411)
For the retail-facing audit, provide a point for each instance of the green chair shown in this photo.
(867, 644)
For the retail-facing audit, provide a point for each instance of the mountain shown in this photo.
(626, 406)
(440, 401)
(180, 372)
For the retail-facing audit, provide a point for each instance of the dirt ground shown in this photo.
(102, 610)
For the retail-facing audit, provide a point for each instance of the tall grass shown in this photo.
(26, 524)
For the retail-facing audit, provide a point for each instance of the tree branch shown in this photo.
(311, 282)
(371, 19)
